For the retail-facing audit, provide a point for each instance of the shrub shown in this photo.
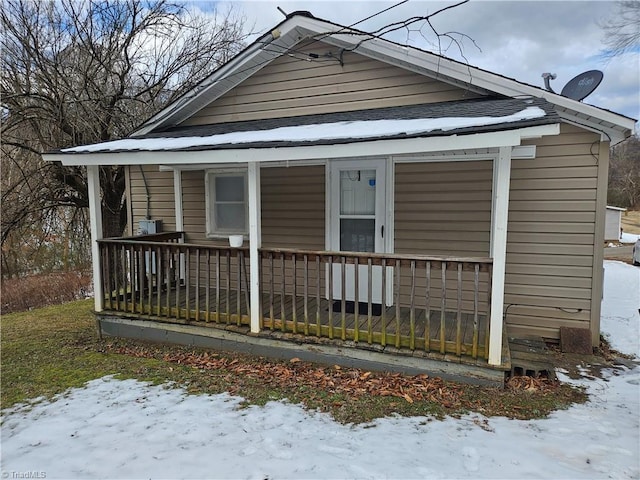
(35, 291)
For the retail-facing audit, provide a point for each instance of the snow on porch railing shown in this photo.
(428, 303)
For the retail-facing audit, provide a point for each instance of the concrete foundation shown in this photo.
(278, 345)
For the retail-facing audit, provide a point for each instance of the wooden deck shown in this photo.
(448, 333)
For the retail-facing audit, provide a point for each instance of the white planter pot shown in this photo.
(235, 241)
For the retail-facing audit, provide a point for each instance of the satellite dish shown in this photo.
(581, 86)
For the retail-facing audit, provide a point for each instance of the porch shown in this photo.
(429, 306)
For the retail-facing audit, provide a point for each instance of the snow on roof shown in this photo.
(616, 208)
(357, 130)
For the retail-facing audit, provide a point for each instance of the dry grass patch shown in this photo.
(631, 221)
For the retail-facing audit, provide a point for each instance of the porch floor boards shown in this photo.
(194, 309)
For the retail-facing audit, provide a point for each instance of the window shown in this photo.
(227, 210)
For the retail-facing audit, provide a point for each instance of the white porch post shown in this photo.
(499, 218)
(177, 193)
(95, 216)
(179, 213)
(255, 242)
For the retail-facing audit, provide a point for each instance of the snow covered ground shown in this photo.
(127, 429)
(620, 315)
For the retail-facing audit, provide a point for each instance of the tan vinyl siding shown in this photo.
(444, 208)
(293, 216)
(293, 207)
(194, 207)
(162, 204)
(292, 86)
(550, 244)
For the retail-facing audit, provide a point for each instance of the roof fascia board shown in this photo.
(522, 152)
(614, 135)
(218, 166)
(508, 138)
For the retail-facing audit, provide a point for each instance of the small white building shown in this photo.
(613, 223)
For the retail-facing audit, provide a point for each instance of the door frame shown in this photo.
(332, 204)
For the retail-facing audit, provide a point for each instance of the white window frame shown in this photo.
(209, 182)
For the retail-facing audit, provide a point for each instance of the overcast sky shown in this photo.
(519, 39)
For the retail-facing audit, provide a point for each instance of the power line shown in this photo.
(378, 13)
(358, 22)
(392, 27)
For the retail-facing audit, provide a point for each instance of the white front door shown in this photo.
(358, 192)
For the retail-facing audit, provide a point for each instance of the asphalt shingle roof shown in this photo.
(495, 107)
(440, 119)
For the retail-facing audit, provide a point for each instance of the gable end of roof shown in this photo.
(300, 26)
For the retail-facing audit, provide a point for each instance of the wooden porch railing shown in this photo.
(437, 303)
(428, 303)
(175, 281)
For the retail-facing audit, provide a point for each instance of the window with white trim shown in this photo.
(227, 207)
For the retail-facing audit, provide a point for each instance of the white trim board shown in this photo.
(219, 166)
(523, 152)
(177, 192)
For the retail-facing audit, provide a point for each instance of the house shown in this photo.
(391, 201)
(613, 223)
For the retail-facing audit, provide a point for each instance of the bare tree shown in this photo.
(622, 35)
(624, 174)
(82, 71)
(622, 30)
(423, 25)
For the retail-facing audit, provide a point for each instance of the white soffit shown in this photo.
(522, 152)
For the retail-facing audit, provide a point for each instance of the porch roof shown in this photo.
(392, 123)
